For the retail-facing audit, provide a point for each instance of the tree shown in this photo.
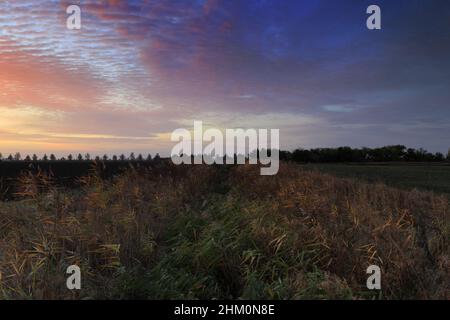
(80, 157)
(28, 158)
(70, 157)
(448, 155)
(87, 156)
(149, 157)
(1, 156)
(132, 157)
(52, 157)
(17, 156)
(122, 157)
(45, 157)
(105, 157)
(439, 157)
(114, 158)
(157, 157)
(97, 158)
(10, 157)
(301, 155)
(140, 157)
(35, 157)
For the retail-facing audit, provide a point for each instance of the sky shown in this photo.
(137, 70)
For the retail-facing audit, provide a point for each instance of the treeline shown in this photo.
(319, 155)
(87, 157)
(347, 154)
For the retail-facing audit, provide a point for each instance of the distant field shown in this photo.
(431, 177)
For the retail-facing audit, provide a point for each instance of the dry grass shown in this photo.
(223, 232)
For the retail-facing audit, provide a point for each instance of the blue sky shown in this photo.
(137, 70)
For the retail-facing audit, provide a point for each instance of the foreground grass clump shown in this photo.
(224, 232)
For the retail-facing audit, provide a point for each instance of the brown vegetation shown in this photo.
(224, 232)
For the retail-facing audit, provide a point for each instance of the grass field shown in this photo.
(224, 232)
(427, 177)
